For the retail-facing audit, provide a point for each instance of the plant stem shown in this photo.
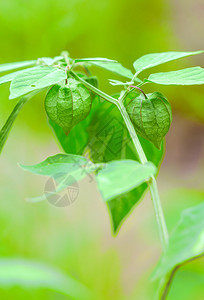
(136, 87)
(94, 89)
(133, 135)
(152, 182)
(141, 155)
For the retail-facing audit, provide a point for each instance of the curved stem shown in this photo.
(136, 87)
(141, 155)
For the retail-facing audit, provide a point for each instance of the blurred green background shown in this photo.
(77, 240)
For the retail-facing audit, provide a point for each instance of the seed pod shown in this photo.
(68, 104)
(151, 117)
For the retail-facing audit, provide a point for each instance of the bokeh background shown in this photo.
(77, 239)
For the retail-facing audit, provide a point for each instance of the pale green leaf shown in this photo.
(114, 67)
(119, 177)
(59, 163)
(189, 76)
(16, 65)
(93, 59)
(66, 169)
(48, 60)
(37, 78)
(11, 76)
(117, 82)
(34, 275)
(154, 59)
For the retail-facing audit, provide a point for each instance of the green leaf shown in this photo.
(69, 143)
(34, 275)
(109, 140)
(16, 65)
(66, 169)
(59, 163)
(7, 126)
(48, 61)
(154, 59)
(37, 78)
(114, 67)
(189, 76)
(68, 104)
(117, 82)
(151, 117)
(11, 76)
(119, 177)
(93, 59)
(185, 244)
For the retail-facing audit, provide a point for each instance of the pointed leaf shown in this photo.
(16, 65)
(37, 78)
(119, 177)
(68, 104)
(154, 59)
(114, 67)
(65, 169)
(34, 275)
(11, 76)
(59, 163)
(93, 59)
(189, 76)
(69, 143)
(49, 61)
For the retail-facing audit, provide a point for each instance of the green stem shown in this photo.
(141, 155)
(94, 89)
(152, 182)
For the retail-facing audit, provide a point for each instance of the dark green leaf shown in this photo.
(109, 140)
(151, 117)
(120, 177)
(34, 275)
(189, 76)
(75, 141)
(16, 65)
(154, 59)
(68, 104)
(37, 78)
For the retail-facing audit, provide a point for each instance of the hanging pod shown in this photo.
(68, 104)
(151, 117)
